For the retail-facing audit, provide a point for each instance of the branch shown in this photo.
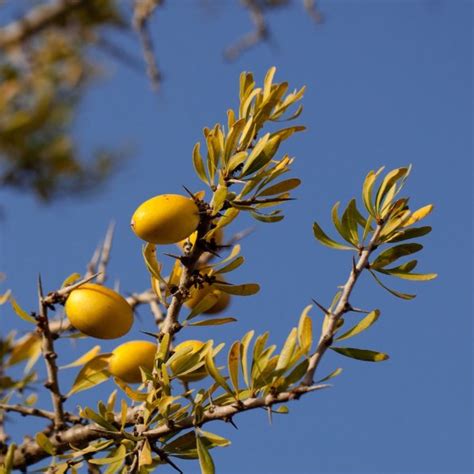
(105, 254)
(143, 9)
(36, 20)
(30, 452)
(50, 356)
(343, 303)
(251, 39)
(32, 411)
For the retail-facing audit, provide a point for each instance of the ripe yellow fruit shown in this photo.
(165, 219)
(99, 311)
(222, 299)
(179, 365)
(127, 359)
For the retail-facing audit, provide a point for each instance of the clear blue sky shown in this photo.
(388, 83)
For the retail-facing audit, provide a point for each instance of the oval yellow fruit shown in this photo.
(99, 311)
(127, 359)
(222, 299)
(179, 365)
(165, 219)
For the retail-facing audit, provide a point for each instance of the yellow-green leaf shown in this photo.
(89, 355)
(281, 187)
(288, 350)
(93, 373)
(394, 253)
(305, 330)
(361, 354)
(334, 373)
(233, 364)
(205, 460)
(244, 355)
(213, 322)
(215, 374)
(119, 454)
(362, 325)
(419, 215)
(21, 312)
(327, 241)
(398, 294)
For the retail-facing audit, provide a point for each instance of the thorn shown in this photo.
(177, 257)
(321, 307)
(188, 191)
(232, 422)
(40, 287)
(151, 334)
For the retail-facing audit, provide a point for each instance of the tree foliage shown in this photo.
(168, 417)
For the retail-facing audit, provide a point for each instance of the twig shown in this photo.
(313, 11)
(342, 306)
(37, 19)
(105, 254)
(251, 39)
(50, 356)
(32, 411)
(143, 9)
(59, 295)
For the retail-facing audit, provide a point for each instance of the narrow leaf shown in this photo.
(361, 354)
(362, 325)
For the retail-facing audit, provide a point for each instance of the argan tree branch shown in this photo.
(50, 356)
(342, 306)
(30, 452)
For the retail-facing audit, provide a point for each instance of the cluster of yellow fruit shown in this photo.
(102, 313)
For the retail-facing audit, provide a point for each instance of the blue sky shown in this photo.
(388, 83)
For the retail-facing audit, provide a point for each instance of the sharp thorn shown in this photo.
(321, 307)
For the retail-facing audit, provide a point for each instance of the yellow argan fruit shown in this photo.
(165, 219)
(99, 311)
(218, 237)
(127, 359)
(179, 364)
(222, 299)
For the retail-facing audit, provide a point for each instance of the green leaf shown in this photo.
(409, 276)
(281, 187)
(305, 330)
(231, 266)
(205, 460)
(325, 240)
(244, 355)
(213, 322)
(398, 294)
(345, 227)
(93, 373)
(407, 234)
(44, 442)
(266, 218)
(297, 373)
(334, 373)
(394, 253)
(96, 418)
(361, 354)
(21, 312)
(350, 221)
(362, 325)
(233, 360)
(219, 198)
(199, 163)
(71, 279)
(245, 289)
